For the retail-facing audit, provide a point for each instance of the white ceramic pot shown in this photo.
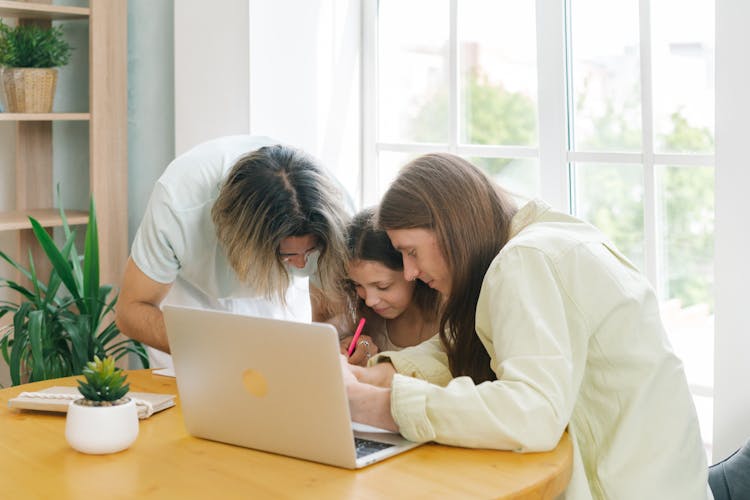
(101, 429)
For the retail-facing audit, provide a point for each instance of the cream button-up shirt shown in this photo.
(575, 339)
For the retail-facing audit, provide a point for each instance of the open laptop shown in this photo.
(270, 385)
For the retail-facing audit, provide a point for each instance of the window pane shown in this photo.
(611, 198)
(606, 76)
(520, 177)
(413, 71)
(686, 268)
(687, 196)
(389, 163)
(497, 58)
(691, 333)
(683, 75)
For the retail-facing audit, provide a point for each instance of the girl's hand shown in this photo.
(364, 350)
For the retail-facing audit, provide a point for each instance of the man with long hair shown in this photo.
(233, 224)
(546, 326)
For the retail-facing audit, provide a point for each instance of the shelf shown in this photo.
(43, 117)
(48, 217)
(105, 117)
(41, 11)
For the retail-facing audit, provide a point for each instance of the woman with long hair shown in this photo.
(545, 326)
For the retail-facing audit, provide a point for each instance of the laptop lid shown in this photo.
(266, 384)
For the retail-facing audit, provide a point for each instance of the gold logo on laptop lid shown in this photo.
(255, 383)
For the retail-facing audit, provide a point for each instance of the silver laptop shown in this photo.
(270, 385)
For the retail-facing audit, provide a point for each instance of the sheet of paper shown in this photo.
(164, 372)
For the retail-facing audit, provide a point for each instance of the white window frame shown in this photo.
(647, 158)
(555, 152)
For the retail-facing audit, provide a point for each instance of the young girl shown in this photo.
(545, 326)
(398, 313)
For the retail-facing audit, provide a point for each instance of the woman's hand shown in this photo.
(380, 375)
(368, 404)
(363, 351)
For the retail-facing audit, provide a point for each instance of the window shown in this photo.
(462, 79)
(604, 109)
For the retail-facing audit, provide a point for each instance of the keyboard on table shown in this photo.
(366, 447)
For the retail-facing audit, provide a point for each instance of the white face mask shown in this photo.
(311, 266)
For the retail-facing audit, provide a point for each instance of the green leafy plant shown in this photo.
(103, 381)
(61, 325)
(31, 46)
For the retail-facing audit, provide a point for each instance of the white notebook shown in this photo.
(58, 398)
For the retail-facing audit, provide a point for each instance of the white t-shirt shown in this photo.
(176, 241)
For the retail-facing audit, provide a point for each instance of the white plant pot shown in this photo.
(101, 429)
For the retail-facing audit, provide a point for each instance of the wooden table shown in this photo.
(166, 462)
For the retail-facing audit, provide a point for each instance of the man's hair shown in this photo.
(273, 193)
(471, 217)
(367, 242)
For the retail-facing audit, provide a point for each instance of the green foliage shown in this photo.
(493, 115)
(103, 381)
(496, 116)
(59, 326)
(685, 137)
(613, 128)
(613, 197)
(31, 46)
(689, 208)
(609, 196)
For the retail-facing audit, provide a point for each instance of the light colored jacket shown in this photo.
(575, 339)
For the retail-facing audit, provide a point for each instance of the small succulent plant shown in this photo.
(104, 384)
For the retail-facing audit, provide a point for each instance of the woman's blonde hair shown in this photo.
(470, 216)
(275, 193)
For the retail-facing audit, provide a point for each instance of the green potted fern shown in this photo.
(30, 56)
(61, 325)
(105, 420)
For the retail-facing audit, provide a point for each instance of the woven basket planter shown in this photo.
(29, 90)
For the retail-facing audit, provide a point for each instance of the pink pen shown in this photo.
(360, 326)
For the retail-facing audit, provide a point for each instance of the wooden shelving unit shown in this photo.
(42, 10)
(107, 117)
(43, 117)
(47, 217)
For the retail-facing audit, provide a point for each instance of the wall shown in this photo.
(151, 110)
(70, 139)
(732, 342)
(305, 79)
(303, 75)
(211, 67)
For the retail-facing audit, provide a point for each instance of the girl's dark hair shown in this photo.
(365, 241)
(470, 216)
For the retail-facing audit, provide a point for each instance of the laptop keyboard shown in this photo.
(366, 447)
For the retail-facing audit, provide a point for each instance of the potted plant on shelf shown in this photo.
(61, 325)
(30, 56)
(105, 420)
